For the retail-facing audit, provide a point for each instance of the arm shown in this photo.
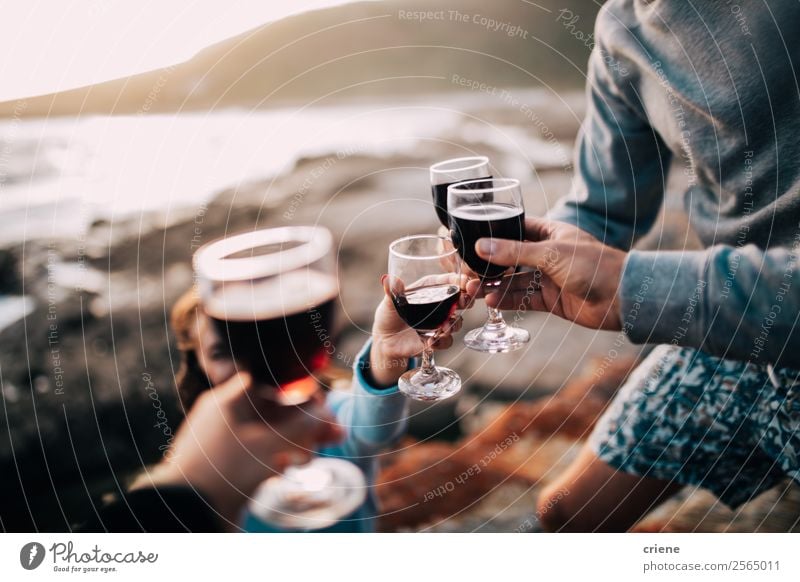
(733, 303)
(221, 453)
(621, 163)
(375, 412)
(374, 417)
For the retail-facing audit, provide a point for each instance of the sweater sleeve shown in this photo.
(621, 162)
(374, 418)
(737, 303)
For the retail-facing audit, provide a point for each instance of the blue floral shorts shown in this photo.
(691, 418)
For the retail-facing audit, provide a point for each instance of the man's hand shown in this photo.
(575, 276)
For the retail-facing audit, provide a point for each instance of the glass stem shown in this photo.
(428, 366)
(495, 317)
(496, 320)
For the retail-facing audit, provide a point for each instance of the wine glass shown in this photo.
(448, 172)
(490, 208)
(271, 293)
(425, 291)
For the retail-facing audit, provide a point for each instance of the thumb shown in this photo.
(511, 253)
(504, 252)
(235, 387)
(231, 396)
(385, 284)
(392, 286)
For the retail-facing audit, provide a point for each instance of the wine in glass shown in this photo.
(489, 208)
(448, 172)
(425, 292)
(271, 294)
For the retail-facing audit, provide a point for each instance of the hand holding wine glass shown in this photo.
(566, 262)
(394, 342)
(425, 295)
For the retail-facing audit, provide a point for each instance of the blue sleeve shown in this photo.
(737, 303)
(621, 162)
(373, 418)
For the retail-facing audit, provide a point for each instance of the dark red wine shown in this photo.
(280, 330)
(474, 221)
(439, 192)
(427, 308)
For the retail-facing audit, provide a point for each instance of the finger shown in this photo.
(235, 387)
(538, 229)
(539, 255)
(455, 324)
(310, 424)
(467, 302)
(393, 286)
(527, 298)
(518, 301)
(528, 281)
(275, 450)
(474, 289)
(442, 342)
(438, 279)
(515, 301)
(237, 395)
(452, 325)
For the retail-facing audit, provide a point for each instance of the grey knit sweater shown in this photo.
(714, 88)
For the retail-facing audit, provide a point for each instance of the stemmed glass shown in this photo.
(490, 208)
(424, 282)
(271, 294)
(448, 172)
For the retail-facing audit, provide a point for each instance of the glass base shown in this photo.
(312, 496)
(497, 338)
(442, 384)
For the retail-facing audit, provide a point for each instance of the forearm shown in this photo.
(735, 303)
(620, 166)
(375, 416)
(381, 369)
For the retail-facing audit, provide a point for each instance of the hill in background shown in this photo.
(355, 50)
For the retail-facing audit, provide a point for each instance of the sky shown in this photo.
(55, 45)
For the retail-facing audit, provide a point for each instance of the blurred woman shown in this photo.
(372, 414)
